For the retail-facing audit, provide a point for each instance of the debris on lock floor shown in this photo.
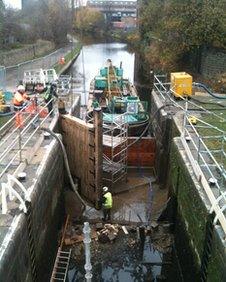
(122, 252)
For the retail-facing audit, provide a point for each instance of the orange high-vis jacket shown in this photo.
(19, 99)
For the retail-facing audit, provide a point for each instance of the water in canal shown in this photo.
(121, 261)
(94, 57)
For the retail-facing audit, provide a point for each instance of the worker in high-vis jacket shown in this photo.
(20, 98)
(48, 93)
(106, 204)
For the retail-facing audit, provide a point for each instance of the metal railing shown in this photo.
(19, 136)
(15, 73)
(207, 159)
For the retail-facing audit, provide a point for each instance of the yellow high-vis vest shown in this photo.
(108, 201)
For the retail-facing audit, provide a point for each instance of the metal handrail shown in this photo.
(21, 134)
(207, 150)
(201, 150)
(17, 127)
(170, 91)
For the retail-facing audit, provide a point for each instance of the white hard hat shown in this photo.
(105, 189)
(20, 88)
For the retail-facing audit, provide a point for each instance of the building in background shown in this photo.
(120, 13)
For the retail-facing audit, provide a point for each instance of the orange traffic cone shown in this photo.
(62, 61)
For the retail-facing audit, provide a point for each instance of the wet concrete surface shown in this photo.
(141, 200)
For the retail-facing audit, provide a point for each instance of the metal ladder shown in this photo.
(61, 264)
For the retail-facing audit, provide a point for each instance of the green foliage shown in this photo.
(49, 20)
(89, 20)
(172, 28)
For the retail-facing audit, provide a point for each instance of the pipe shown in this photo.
(201, 85)
(87, 241)
(66, 164)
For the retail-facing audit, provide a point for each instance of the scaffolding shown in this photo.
(115, 143)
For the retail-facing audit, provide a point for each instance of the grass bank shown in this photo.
(68, 57)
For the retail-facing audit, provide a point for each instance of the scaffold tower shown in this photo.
(115, 143)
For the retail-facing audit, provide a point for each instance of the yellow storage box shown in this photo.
(181, 84)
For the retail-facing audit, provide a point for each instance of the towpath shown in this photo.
(15, 73)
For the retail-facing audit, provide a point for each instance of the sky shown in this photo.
(13, 3)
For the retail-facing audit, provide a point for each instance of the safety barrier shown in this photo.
(18, 132)
(14, 74)
(208, 162)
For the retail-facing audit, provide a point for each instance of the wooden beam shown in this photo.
(98, 126)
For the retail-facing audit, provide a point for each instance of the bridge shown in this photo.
(115, 10)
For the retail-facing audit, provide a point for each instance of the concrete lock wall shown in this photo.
(191, 213)
(163, 128)
(46, 202)
(26, 53)
(192, 218)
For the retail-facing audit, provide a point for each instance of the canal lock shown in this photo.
(147, 252)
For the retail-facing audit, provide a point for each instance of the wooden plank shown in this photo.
(98, 125)
(77, 137)
(110, 141)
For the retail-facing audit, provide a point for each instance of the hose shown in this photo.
(201, 85)
(66, 164)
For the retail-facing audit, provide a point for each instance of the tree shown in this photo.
(59, 20)
(174, 28)
(49, 20)
(89, 20)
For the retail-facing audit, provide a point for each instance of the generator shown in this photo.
(181, 84)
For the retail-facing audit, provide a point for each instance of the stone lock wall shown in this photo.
(192, 216)
(46, 218)
(48, 210)
(191, 212)
(164, 129)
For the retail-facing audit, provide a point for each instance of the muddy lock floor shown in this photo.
(125, 257)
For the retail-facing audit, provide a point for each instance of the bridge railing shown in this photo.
(205, 147)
